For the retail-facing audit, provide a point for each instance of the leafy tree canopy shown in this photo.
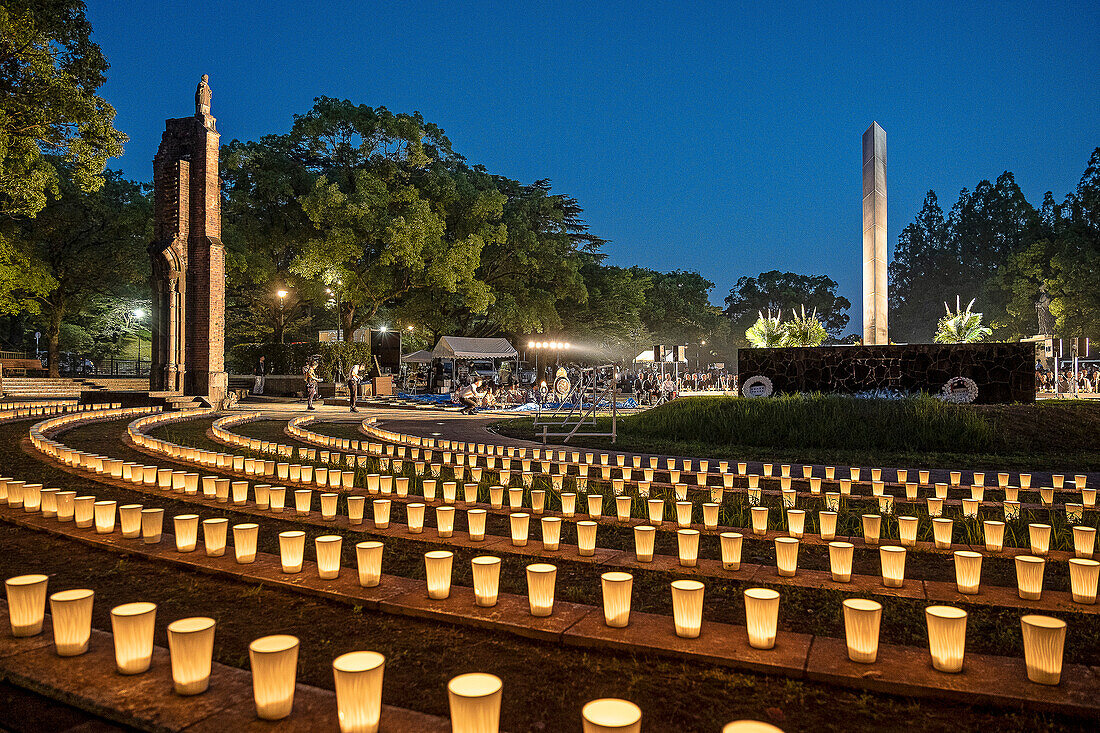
(775, 291)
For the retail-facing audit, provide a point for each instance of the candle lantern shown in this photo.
(1044, 641)
(862, 618)
(762, 616)
(132, 625)
(274, 662)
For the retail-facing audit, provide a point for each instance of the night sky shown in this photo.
(718, 137)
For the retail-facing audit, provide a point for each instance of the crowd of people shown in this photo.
(1067, 381)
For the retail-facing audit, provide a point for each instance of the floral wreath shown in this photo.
(959, 390)
(758, 381)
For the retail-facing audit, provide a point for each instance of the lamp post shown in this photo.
(336, 296)
(139, 313)
(282, 315)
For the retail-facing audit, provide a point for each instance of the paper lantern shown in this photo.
(994, 534)
(475, 523)
(1039, 535)
(428, 489)
(568, 504)
(71, 616)
(327, 549)
(276, 497)
(827, 522)
(292, 547)
(486, 572)
(214, 533)
(187, 532)
(519, 523)
(683, 514)
(687, 607)
(687, 543)
(303, 498)
(656, 509)
(759, 520)
(358, 682)
(832, 501)
(66, 506)
(862, 618)
(622, 507)
(445, 521)
(910, 491)
(450, 492)
(244, 542)
(935, 506)
(1044, 641)
(761, 616)
(1083, 577)
(1084, 541)
(968, 571)
(731, 550)
(840, 561)
(474, 701)
(750, 726)
(1029, 576)
(152, 521)
(609, 715)
(617, 588)
(274, 662)
(26, 604)
(970, 508)
(643, 542)
(104, 513)
(84, 511)
(328, 506)
(437, 566)
(469, 493)
(368, 556)
(595, 505)
(32, 498)
(414, 517)
(541, 578)
(132, 625)
(586, 538)
(796, 522)
(872, 526)
(1011, 509)
(1012, 493)
(941, 532)
(907, 531)
(551, 533)
(946, 637)
(191, 647)
(892, 560)
(786, 556)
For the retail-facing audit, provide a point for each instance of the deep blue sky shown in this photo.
(721, 137)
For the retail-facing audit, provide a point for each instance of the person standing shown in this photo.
(259, 371)
(353, 386)
(312, 380)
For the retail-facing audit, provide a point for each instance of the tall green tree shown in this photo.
(91, 244)
(776, 291)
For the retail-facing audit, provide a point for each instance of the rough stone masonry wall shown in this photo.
(1003, 372)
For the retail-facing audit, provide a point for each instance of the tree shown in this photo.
(677, 308)
(774, 290)
(961, 327)
(50, 71)
(921, 256)
(91, 244)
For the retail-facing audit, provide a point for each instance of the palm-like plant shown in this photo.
(961, 326)
(767, 332)
(803, 330)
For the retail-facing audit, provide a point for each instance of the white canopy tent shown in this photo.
(424, 356)
(462, 347)
(647, 357)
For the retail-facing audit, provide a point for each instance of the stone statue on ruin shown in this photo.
(202, 97)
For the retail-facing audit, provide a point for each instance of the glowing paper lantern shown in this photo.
(617, 588)
(786, 556)
(1083, 577)
(475, 523)
(191, 646)
(358, 682)
(1029, 576)
(892, 560)
(731, 550)
(687, 607)
(551, 533)
(445, 521)
(244, 542)
(586, 538)
(71, 614)
(840, 561)
(759, 520)
(26, 604)
(643, 542)
(595, 505)
(132, 625)
(292, 547)
(862, 618)
(946, 637)
(687, 543)
(381, 509)
(187, 532)
(104, 512)
(609, 715)
(84, 511)
(474, 701)
(568, 504)
(1039, 535)
(486, 571)
(541, 578)
(327, 548)
(941, 532)
(827, 522)
(1084, 541)
(710, 514)
(994, 533)
(872, 525)
(274, 662)
(437, 566)
(214, 533)
(968, 571)
(368, 555)
(1044, 641)
(519, 523)
(761, 616)
(414, 516)
(152, 521)
(276, 497)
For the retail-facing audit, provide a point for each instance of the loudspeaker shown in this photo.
(386, 347)
(658, 353)
(681, 353)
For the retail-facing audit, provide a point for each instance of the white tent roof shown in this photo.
(418, 357)
(461, 347)
(647, 356)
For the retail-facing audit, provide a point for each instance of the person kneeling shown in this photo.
(470, 397)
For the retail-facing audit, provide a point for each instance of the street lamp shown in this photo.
(282, 315)
(139, 313)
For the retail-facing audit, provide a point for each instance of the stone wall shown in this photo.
(1003, 372)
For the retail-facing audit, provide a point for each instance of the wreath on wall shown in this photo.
(959, 390)
(757, 386)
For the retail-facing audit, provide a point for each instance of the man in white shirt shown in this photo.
(470, 396)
